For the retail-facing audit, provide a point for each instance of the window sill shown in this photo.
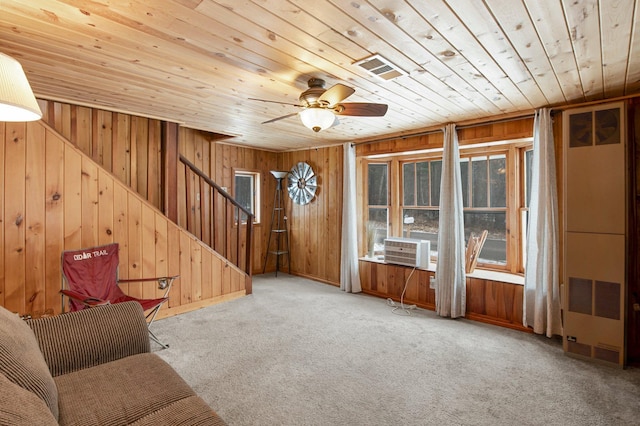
(504, 277)
(484, 274)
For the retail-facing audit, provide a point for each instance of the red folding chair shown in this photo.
(91, 275)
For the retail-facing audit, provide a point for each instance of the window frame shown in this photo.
(523, 206)
(256, 180)
(369, 242)
(514, 151)
(509, 194)
(434, 205)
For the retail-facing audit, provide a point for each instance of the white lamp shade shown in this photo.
(279, 174)
(317, 119)
(17, 102)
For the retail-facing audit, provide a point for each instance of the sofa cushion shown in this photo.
(188, 411)
(19, 406)
(86, 338)
(22, 362)
(119, 392)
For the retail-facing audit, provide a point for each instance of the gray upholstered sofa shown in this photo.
(92, 367)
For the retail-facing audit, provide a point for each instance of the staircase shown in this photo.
(215, 218)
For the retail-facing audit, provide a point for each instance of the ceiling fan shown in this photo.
(322, 106)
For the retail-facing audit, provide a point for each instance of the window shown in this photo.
(495, 194)
(421, 200)
(377, 207)
(247, 193)
(484, 196)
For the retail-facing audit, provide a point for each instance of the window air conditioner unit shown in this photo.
(407, 252)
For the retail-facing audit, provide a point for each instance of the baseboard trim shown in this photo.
(469, 315)
(170, 312)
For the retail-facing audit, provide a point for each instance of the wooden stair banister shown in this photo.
(207, 226)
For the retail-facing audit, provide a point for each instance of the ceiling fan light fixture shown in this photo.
(317, 119)
(17, 102)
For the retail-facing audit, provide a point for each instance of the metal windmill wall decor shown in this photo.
(302, 183)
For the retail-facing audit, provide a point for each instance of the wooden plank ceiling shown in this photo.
(198, 62)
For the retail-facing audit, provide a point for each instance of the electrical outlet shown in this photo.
(432, 281)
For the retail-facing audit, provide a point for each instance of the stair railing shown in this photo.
(214, 217)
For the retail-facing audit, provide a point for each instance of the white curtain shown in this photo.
(349, 274)
(450, 268)
(541, 305)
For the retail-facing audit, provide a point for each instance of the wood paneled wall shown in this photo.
(488, 301)
(58, 196)
(128, 146)
(467, 135)
(218, 161)
(316, 228)
(54, 197)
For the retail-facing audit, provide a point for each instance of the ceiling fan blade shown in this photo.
(361, 109)
(335, 94)
(275, 102)
(279, 118)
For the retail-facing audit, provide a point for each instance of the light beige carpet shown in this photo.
(298, 352)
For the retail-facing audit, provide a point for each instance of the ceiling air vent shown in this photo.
(380, 67)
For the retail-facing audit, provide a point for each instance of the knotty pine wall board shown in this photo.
(54, 197)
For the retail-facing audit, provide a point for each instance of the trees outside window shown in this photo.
(421, 198)
(377, 228)
(246, 192)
